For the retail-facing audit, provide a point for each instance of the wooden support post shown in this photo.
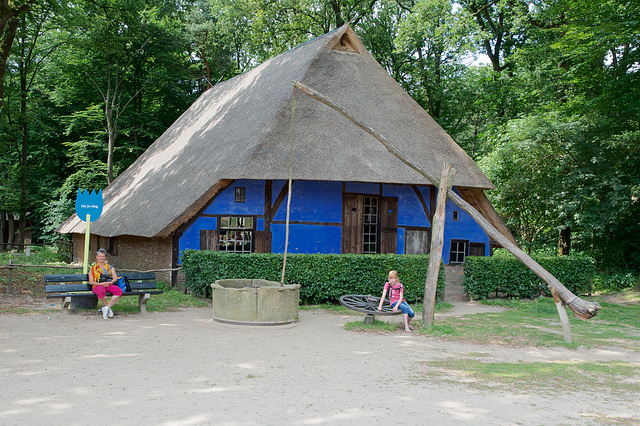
(142, 302)
(369, 319)
(564, 318)
(437, 241)
(581, 308)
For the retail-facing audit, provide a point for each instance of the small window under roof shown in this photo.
(346, 44)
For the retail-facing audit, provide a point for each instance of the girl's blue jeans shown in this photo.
(405, 308)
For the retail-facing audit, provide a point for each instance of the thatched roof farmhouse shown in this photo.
(238, 131)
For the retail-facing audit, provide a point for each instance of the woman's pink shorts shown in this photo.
(101, 291)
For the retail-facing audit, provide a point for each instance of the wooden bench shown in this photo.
(80, 295)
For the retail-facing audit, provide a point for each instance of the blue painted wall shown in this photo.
(311, 202)
(465, 228)
(410, 210)
(321, 202)
(226, 204)
(306, 238)
(191, 238)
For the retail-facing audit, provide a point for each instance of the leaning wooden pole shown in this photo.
(286, 238)
(581, 308)
(437, 241)
(564, 319)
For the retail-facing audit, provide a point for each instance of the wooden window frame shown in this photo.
(241, 194)
(457, 252)
(235, 226)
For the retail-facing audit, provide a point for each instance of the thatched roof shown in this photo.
(239, 129)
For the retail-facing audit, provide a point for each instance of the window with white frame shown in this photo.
(236, 234)
(370, 226)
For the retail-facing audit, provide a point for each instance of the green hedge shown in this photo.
(510, 277)
(323, 277)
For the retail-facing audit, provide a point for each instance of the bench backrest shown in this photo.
(74, 278)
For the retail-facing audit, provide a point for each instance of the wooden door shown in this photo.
(352, 216)
(389, 225)
(262, 242)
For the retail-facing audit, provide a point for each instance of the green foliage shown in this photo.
(553, 116)
(509, 277)
(323, 277)
(38, 256)
(614, 282)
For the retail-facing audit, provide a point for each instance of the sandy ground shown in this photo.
(182, 368)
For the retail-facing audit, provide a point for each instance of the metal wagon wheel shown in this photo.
(367, 304)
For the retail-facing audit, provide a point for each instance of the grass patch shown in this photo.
(382, 325)
(30, 281)
(328, 307)
(536, 323)
(565, 376)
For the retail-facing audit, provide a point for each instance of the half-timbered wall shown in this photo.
(325, 217)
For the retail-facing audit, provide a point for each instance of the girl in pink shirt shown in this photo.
(396, 299)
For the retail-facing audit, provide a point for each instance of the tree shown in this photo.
(16, 119)
(115, 45)
(433, 39)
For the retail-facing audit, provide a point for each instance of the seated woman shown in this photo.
(103, 278)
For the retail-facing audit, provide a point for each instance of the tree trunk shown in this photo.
(564, 242)
(3, 230)
(11, 231)
(8, 27)
(24, 127)
(112, 141)
(337, 13)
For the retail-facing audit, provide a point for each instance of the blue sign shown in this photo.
(89, 204)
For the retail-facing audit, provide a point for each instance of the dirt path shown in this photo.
(181, 368)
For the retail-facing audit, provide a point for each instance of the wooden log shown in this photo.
(564, 319)
(437, 241)
(581, 308)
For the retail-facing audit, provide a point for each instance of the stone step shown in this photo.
(453, 289)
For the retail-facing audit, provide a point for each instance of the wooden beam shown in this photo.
(424, 204)
(437, 241)
(581, 308)
(564, 319)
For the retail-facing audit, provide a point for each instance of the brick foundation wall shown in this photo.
(128, 253)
